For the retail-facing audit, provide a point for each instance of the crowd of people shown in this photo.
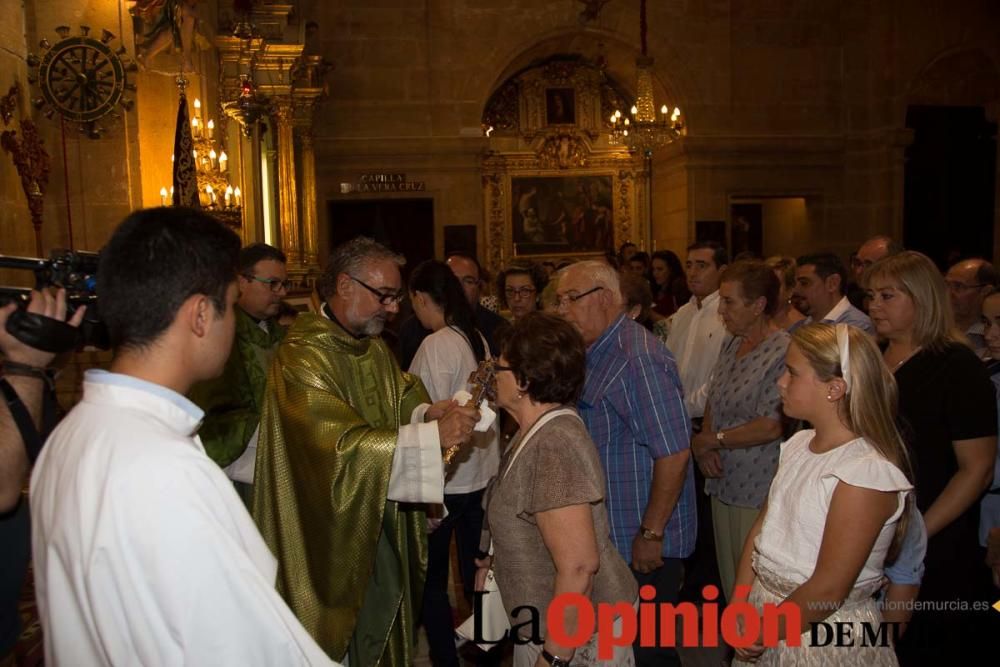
(233, 490)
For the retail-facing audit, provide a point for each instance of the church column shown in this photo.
(288, 217)
(310, 223)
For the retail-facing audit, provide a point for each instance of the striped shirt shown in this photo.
(633, 406)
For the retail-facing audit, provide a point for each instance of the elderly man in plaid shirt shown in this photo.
(633, 406)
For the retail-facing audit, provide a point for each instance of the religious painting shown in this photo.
(560, 106)
(558, 215)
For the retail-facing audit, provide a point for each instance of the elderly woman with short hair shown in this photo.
(545, 509)
(738, 446)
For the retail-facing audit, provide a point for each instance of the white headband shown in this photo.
(843, 343)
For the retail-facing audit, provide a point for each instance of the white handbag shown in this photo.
(494, 623)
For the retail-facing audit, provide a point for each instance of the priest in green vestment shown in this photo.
(232, 402)
(347, 444)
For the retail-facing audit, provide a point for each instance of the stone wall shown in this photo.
(800, 98)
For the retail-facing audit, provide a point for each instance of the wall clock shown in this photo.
(82, 79)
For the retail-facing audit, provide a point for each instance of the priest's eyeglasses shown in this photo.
(384, 298)
(276, 284)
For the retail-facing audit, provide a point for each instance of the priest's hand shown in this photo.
(438, 410)
(455, 427)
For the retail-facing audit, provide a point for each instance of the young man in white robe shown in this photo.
(144, 553)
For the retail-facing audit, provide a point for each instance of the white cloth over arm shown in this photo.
(417, 474)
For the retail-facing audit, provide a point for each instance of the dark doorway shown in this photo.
(950, 183)
(405, 225)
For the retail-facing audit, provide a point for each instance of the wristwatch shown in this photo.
(554, 660)
(647, 534)
(720, 437)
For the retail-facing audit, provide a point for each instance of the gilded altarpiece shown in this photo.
(553, 188)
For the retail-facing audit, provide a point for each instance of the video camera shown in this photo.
(76, 272)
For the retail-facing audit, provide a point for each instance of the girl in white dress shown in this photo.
(833, 515)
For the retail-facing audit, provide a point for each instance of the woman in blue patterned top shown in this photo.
(738, 446)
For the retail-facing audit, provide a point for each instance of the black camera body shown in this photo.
(74, 271)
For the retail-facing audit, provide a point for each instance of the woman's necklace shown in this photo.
(906, 358)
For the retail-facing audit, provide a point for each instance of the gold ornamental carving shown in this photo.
(562, 151)
(493, 189)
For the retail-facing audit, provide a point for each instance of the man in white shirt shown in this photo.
(696, 330)
(143, 552)
(820, 281)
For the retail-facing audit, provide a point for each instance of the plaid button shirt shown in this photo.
(633, 406)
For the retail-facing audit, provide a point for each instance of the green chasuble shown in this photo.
(351, 564)
(232, 402)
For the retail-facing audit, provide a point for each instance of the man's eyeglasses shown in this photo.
(276, 284)
(956, 286)
(519, 292)
(566, 299)
(384, 298)
(469, 280)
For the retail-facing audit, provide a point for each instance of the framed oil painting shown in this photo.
(560, 106)
(562, 214)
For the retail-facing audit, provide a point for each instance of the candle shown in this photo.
(223, 160)
(238, 196)
(171, 193)
(211, 195)
(197, 108)
(229, 195)
(212, 156)
(163, 196)
(211, 127)
(194, 128)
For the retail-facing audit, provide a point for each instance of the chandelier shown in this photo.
(215, 191)
(643, 130)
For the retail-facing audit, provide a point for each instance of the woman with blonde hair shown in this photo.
(948, 416)
(836, 510)
(787, 315)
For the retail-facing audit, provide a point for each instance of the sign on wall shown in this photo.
(380, 182)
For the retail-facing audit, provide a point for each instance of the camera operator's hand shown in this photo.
(42, 303)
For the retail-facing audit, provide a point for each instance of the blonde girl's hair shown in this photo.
(917, 276)
(870, 401)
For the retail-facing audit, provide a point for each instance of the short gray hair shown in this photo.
(603, 274)
(348, 258)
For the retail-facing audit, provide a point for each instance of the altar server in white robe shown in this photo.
(144, 554)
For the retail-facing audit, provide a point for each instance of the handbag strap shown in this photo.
(544, 419)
